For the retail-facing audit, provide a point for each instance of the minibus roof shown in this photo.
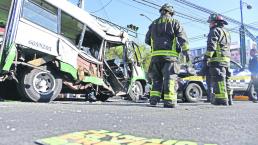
(104, 30)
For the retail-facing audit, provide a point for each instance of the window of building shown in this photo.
(41, 13)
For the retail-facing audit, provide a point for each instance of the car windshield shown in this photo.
(234, 66)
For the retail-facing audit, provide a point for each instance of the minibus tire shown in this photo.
(136, 92)
(39, 86)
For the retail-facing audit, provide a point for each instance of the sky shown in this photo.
(124, 12)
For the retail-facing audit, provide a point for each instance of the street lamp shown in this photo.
(242, 34)
(146, 17)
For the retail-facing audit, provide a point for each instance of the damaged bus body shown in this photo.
(51, 47)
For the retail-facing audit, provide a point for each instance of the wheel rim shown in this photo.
(44, 83)
(194, 92)
(136, 91)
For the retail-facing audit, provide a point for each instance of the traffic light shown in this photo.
(133, 27)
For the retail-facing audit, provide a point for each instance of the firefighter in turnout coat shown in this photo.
(218, 59)
(167, 39)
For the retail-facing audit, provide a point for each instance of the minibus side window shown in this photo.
(91, 43)
(41, 13)
(71, 28)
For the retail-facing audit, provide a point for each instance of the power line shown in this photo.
(151, 3)
(185, 16)
(105, 12)
(204, 36)
(127, 4)
(191, 12)
(156, 6)
(179, 14)
(129, 31)
(145, 4)
(211, 12)
(102, 7)
(230, 10)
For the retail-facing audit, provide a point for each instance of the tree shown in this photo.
(114, 52)
(146, 56)
(117, 52)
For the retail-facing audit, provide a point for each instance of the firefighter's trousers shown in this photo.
(164, 75)
(205, 72)
(220, 83)
(208, 82)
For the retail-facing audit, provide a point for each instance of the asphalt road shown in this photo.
(24, 123)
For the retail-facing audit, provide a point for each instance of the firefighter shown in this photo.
(218, 59)
(253, 67)
(164, 36)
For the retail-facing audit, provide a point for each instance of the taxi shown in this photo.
(192, 88)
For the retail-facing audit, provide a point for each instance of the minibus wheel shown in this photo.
(39, 86)
(136, 91)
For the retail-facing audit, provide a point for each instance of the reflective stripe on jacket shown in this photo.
(218, 46)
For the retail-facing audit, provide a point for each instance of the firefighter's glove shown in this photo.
(187, 58)
(186, 55)
(206, 60)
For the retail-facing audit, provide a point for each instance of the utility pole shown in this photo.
(242, 34)
(81, 4)
(242, 37)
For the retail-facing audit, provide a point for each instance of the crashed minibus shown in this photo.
(50, 47)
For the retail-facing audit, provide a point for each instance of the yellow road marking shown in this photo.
(104, 137)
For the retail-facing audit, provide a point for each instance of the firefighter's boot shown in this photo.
(254, 98)
(170, 104)
(218, 101)
(209, 97)
(154, 100)
(212, 98)
(230, 100)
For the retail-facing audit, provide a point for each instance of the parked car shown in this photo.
(192, 88)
